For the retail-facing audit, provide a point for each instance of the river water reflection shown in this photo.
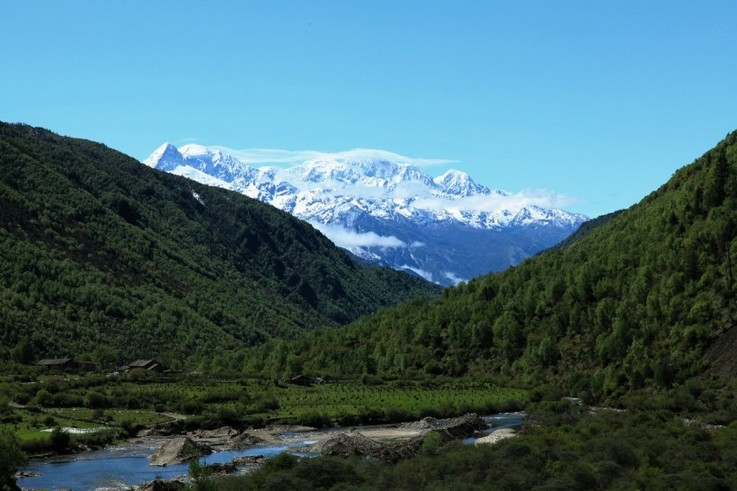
(126, 466)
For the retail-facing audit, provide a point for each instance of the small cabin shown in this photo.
(149, 365)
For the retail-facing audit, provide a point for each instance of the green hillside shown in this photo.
(106, 259)
(645, 301)
(586, 228)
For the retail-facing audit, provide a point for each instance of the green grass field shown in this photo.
(128, 403)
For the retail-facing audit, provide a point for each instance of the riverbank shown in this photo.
(128, 465)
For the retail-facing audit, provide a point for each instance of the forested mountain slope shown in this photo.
(646, 300)
(103, 257)
(586, 228)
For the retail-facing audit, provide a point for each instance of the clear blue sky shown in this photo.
(599, 101)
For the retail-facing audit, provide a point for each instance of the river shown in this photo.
(125, 466)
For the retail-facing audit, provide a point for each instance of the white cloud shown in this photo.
(506, 201)
(545, 198)
(513, 202)
(271, 156)
(452, 277)
(348, 239)
(420, 272)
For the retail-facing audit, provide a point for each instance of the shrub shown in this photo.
(11, 458)
(265, 403)
(60, 440)
(97, 400)
(315, 419)
(200, 474)
(396, 415)
(326, 472)
(432, 443)
(129, 428)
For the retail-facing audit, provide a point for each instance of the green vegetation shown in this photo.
(563, 449)
(109, 261)
(105, 259)
(11, 458)
(643, 303)
(118, 406)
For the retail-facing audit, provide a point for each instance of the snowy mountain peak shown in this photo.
(459, 183)
(213, 162)
(383, 207)
(166, 157)
(326, 170)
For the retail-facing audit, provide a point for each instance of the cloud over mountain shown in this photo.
(271, 156)
(385, 208)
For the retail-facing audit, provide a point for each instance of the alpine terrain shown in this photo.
(104, 256)
(384, 209)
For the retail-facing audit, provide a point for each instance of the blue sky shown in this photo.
(597, 102)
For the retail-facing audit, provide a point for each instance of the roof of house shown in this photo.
(141, 363)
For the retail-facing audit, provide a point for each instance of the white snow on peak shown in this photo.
(166, 153)
(194, 150)
(334, 187)
(455, 182)
(385, 207)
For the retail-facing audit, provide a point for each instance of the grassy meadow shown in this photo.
(106, 408)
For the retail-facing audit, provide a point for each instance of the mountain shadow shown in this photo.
(104, 257)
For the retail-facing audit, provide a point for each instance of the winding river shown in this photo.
(126, 466)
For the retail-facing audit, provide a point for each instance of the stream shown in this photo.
(125, 466)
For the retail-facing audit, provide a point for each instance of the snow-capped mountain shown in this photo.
(383, 208)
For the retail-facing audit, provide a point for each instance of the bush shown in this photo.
(396, 415)
(129, 428)
(96, 400)
(11, 458)
(193, 407)
(265, 403)
(315, 419)
(282, 461)
(432, 443)
(326, 472)
(60, 440)
(200, 474)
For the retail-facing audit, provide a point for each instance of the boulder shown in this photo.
(178, 450)
(252, 437)
(425, 424)
(460, 427)
(223, 469)
(161, 485)
(248, 460)
(348, 445)
(496, 436)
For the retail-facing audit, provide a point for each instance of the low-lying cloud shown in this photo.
(347, 239)
(453, 277)
(504, 201)
(419, 272)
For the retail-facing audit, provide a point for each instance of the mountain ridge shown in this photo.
(361, 192)
(96, 249)
(639, 309)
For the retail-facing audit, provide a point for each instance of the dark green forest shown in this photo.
(641, 302)
(105, 259)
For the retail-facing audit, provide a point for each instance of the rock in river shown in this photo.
(178, 450)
